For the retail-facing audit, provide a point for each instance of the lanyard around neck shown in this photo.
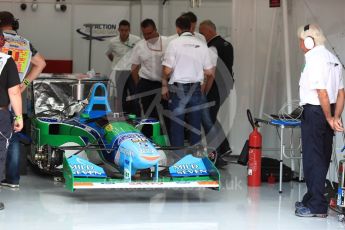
(156, 50)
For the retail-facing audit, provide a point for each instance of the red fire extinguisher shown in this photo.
(254, 158)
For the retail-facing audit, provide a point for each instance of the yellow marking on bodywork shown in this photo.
(109, 128)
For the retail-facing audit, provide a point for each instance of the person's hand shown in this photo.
(330, 121)
(136, 81)
(22, 87)
(338, 125)
(18, 125)
(165, 92)
(25, 84)
(203, 88)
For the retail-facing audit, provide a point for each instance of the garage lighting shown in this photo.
(195, 3)
(34, 5)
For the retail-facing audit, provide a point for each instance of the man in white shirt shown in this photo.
(185, 63)
(119, 52)
(322, 97)
(193, 19)
(146, 71)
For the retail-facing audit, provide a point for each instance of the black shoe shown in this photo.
(220, 162)
(226, 153)
(145, 174)
(2, 206)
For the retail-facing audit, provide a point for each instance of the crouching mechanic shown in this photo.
(9, 24)
(9, 94)
(322, 97)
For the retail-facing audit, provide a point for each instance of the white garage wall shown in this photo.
(135, 16)
(107, 14)
(54, 32)
(46, 28)
(218, 11)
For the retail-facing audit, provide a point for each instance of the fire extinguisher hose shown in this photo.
(250, 118)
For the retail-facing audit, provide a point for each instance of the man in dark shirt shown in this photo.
(218, 89)
(9, 24)
(9, 94)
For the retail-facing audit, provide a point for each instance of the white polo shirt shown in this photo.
(121, 51)
(322, 71)
(213, 55)
(149, 56)
(188, 57)
(196, 34)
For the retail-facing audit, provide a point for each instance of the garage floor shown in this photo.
(41, 203)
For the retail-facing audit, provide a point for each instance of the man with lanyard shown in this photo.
(147, 67)
(119, 52)
(218, 88)
(185, 62)
(322, 97)
(10, 26)
(9, 94)
(193, 20)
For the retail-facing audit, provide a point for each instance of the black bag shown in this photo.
(270, 166)
(243, 158)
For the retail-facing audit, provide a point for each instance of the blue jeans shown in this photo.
(6, 130)
(185, 98)
(13, 160)
(209, 126)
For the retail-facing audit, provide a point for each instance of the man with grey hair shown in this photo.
(322, 97)
(218, 89)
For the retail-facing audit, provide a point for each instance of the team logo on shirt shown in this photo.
(192, 45)
(130, 45)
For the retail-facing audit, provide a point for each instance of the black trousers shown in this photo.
(6, 130)
(126, 87)
(317, 140)
(214, 96)
(150, 98)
